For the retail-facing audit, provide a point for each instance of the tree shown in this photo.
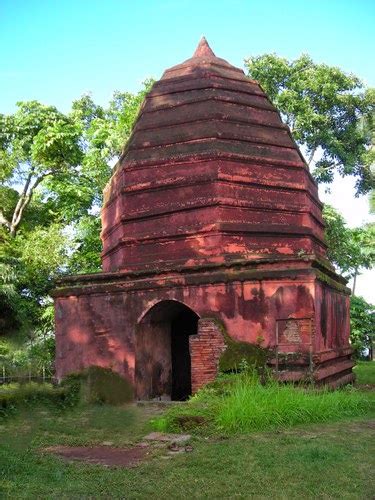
(53, 168)
(36, 142)
(9, 297)
(325, 109)
(362, 326)
(351, 250)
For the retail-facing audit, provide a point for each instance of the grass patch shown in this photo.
(365, 372)
(318, 461)
(241, 404)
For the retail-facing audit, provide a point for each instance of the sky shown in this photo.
(56, 50)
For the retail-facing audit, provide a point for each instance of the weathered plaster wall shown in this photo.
(332, 318)
(103, 329)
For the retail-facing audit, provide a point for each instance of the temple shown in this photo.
(213, 239)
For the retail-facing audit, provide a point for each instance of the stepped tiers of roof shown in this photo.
(210, 174)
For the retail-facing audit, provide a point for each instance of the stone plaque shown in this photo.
(293, 333)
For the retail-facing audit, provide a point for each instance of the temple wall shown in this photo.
(104, 328)
(332, 318)
(89, 331)
(203, 246)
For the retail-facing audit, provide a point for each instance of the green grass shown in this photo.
(241, 404)
(251, 406)
(365, 372)
(316, 461)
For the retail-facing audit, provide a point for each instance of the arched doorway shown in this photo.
(163, 366)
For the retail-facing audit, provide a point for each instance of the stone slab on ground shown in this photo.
(168, 438)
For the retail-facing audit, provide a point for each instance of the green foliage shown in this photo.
(28, 358)
(14, 397)
(362, 325)
(53, 168)
(245, 405)
(87, 246)
(325, 109)
(36, 142)
(351, 250)
(251, 406)
(8, 292)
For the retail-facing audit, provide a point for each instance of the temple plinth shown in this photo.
(212, 230)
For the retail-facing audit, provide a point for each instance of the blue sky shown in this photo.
(56, 50)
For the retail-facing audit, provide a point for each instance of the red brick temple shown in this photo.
(212, 237)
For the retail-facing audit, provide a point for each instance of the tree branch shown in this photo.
(4, 221)
(311, 156)
(24, 201)
(21, 200)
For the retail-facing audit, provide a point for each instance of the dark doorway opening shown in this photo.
(163, 364)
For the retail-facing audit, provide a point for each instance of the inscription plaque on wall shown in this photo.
(293, 332)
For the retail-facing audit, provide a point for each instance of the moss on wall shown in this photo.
(100, 385)
(238, 354)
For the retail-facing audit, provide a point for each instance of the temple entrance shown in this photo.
(163, 365)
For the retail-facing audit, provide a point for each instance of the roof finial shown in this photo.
(203, 49)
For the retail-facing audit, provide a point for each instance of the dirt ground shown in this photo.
(102, 455)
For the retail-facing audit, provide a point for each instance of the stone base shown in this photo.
(332, 368)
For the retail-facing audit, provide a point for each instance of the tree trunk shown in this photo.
(24, 200)
(354, 281)
(311, 157)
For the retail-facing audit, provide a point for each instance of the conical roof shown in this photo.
(205, 124)
(207, 106)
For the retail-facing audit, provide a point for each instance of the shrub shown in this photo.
(15, 396)
(29, 358)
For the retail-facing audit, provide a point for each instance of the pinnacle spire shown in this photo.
(203, 49)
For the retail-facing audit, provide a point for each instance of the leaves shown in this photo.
(351, 250)
(326, 110)
(362, 325)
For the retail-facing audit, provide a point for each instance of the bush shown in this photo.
(28, 359)
(16, 396)
(365, 373)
